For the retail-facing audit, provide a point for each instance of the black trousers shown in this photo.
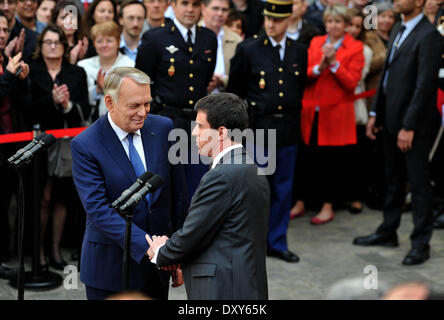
(156, 286)
(415, 167)
(320, 171)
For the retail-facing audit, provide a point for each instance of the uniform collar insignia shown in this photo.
(171, 49)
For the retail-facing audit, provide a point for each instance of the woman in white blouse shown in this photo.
(106, 40)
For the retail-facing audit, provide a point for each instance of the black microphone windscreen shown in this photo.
(145, 176)
(155, 182)
(48, 140)
(40, 136)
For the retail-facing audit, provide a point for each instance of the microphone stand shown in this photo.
(128, 216)
(35, 279)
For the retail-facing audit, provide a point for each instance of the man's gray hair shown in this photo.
(114, 79)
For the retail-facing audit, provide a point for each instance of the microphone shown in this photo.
(152, 185)
(131, 190)
(43, 144)
(20, 152)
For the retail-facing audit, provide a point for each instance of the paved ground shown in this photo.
(327, 256)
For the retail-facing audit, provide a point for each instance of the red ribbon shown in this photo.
(29, 135)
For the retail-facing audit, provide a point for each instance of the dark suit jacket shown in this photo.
(222, 244)
(412, 82)
(307, 32)
(44, 110)
(276, 104)
(101, 172)
(314, 16)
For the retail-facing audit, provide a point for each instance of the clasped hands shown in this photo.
(329, 56)
(176, 270)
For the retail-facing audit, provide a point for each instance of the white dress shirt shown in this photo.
(123, 138)
(184, 31)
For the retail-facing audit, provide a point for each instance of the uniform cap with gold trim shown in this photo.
(278, 8)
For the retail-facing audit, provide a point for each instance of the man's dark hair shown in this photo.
(2, 14)
(224, 109)
(127, 3)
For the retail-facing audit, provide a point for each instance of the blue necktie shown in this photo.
(137, 163)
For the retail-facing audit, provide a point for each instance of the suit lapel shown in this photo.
(412, 35)
(177, 39)
(149, 142)
(115, 149)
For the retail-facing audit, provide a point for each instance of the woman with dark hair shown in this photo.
(60, 99)
(70, 22)
(98, 11)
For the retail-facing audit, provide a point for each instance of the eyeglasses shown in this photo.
(50, 43)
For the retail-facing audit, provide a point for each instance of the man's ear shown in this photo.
(223, 133)
(109, 103)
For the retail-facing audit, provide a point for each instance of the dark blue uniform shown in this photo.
(180, 78)
(273, 90)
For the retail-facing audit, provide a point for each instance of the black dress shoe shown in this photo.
(286, 255)
(7, 272)
(377, 239)
(416, 256)
(439, 222)
(57, 265)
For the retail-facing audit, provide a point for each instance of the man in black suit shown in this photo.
(222, 243)
(180, 59)
(270, 72)
(405, 108)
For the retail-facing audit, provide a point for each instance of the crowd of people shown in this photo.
(298, 66)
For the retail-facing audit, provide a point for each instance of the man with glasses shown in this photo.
(20, 38)
(26, 10)
(131, 17)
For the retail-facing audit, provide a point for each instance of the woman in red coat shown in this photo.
(328, 124)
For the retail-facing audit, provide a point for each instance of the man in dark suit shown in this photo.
(405, 108)
(222, 244)
(180, 59)
(107, 159)
(270, 72)
(314, 14)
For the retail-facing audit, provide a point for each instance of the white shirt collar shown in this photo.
(410, 25)
(274, 43)
(121, 134)
(183, 30)
(224, 152)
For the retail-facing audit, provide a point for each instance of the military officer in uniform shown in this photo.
(269, 71)
(180, 58)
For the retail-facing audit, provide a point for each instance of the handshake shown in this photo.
(176, 270)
